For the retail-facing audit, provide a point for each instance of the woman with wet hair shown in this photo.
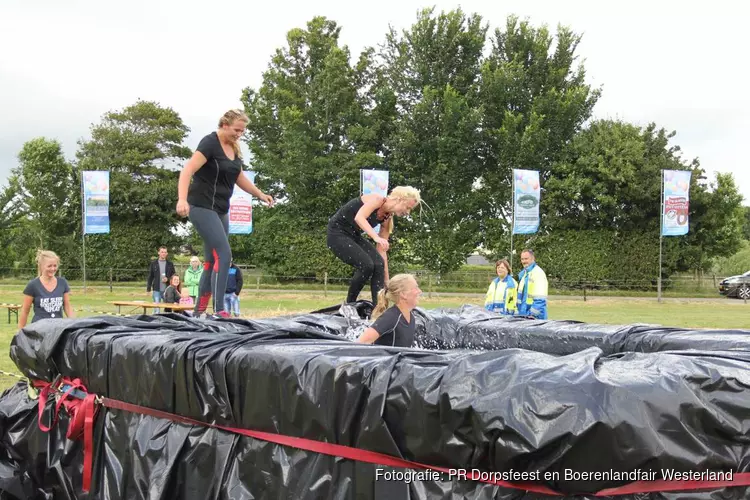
(394, 325)
(344, 236)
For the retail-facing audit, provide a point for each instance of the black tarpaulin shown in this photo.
(481, 392)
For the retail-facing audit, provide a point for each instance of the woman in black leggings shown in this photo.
(345, 238)
(216, 166)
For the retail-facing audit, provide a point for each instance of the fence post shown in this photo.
(714, 280)
(325, 283)
(257, 284)
(429, 286)
(110, 280)
(584, 292)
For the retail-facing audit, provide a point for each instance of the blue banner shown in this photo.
(95, 187)
(676, 195)
(241, 208)
(526, 196)
(373, 181)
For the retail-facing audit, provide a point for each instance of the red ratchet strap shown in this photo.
(356, 454)
(82, 414)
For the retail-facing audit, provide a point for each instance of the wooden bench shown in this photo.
(150, 305)
(12, 308)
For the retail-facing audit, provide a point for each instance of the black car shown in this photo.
(736, 286)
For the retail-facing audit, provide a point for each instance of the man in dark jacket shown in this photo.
(234, 287)
(159, 273)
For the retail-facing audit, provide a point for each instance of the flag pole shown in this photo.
(661, 239)
(83, 230)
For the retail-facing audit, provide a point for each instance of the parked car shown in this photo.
(736, 286)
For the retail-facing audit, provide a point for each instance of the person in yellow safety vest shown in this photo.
(501, 295)
(532, 288)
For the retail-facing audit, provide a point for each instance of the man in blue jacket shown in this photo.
(234, 287)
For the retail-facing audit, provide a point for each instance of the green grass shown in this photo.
(672, 312)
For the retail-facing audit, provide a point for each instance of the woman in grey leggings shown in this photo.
(215, 168)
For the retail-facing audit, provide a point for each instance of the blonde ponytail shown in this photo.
(398, 284)
(382, 302)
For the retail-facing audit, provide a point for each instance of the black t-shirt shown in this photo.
(392, 323)
(214, 182)
(47, 304)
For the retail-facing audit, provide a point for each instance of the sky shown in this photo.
(63, 64)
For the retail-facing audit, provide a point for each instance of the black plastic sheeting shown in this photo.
(480, 391)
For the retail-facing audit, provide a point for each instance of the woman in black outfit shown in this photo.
(345, 238)
(215, 168)
(394, 325)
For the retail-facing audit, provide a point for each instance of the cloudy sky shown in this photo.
(65, 63)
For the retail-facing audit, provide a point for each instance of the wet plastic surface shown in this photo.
(498, 394)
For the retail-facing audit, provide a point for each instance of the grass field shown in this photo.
(689, 313)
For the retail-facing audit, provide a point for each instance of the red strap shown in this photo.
(62, 400)
(337, 450)
(89, 412)
(84, 413)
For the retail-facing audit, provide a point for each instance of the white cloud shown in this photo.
(64, 64)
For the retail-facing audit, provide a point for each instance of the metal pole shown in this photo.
(83, 230)
(513, 213)
(661, 238)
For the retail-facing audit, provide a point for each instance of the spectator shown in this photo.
(158, 272)
(193, 277)
(234, 287)
(186, 299)
(501, 295)
(532, 288)
(173, 293)
(49, 294)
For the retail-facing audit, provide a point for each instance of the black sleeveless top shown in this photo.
(343, 219)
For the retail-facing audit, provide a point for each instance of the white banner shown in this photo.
(526, 196)
(676, 202)
(241, 208)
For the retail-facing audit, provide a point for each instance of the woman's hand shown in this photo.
(382, 243)
(183, 208)
(267, 199)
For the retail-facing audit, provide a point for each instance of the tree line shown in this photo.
(448, 106)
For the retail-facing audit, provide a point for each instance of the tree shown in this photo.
(314, 122)
(41, 200)
(433, 69)
(610, 179)
(746, 224)
(534, 101)
(142, 147)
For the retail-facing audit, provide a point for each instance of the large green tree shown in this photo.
(41, 202)
(610, 179)
(535, 99)
(313, 124)
(435, 146)
(142, 147)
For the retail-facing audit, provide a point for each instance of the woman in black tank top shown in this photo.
(344, 236)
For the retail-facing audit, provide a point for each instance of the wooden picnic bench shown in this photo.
(151, 305)
(12, 308)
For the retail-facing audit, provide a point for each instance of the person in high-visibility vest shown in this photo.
(501, 295)
(532, 288)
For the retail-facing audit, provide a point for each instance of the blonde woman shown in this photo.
(501, 295)
(192, 277)
(49, 294)
(394, 325)
(344, 236)
(215, 168)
